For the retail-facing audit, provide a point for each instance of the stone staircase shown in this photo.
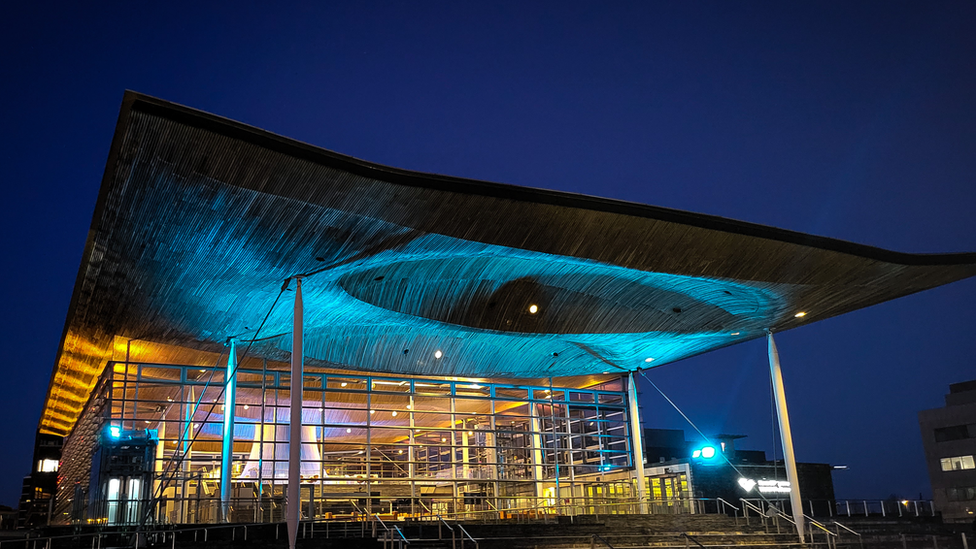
(582, 532)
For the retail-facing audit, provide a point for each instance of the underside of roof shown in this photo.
(200, 220)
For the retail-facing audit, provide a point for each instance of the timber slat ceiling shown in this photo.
(200, 219)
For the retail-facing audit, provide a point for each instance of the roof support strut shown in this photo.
(227, 448)
(786, 436)
(637, 446)
(296, 386)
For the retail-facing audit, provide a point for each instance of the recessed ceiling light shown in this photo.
(438, 354)
(800, 314)
(245, 406)
(649, 359)
(394, 413)
(343, 384)
(348, 430)
(734, 333)
(371, 412)
(533, 309)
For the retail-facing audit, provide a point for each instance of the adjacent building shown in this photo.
(39, 487)
(949, 439)
(700, 473)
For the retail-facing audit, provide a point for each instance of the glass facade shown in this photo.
(406, 446)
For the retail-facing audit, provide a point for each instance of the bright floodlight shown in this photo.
(533, 309)
(115, 432)
(708, 452)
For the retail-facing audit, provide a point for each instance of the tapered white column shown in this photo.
(638, 441)
(296, 386)
(786, 436)
(227, 448)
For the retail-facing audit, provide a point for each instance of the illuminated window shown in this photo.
(51, 465)
(958, 463)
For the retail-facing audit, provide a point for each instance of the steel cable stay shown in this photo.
(695, 427)
(778, 512)
(177, 462)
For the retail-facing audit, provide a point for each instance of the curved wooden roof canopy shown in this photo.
(200, 219)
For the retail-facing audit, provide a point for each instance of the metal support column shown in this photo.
(296, 386)
(227, 448)
(786, 436)
(637, 448)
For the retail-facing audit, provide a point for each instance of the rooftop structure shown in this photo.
(199, 220)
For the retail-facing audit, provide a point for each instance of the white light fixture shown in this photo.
(394, 413)
(438, 353)
(348, 430)
(533, 309)
(245, 406)
(371, 412)
(343, 384)
(649, 359)
(800, 314)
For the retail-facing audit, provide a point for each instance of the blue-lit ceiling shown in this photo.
(200, 220)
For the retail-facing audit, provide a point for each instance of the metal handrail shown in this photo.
(746, 504)
(465, 533)
(818, 524)
(398, 531)
(835, 523)
(727, 503)
(594, 537)
(688, 537)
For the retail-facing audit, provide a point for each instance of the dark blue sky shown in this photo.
(850, 120)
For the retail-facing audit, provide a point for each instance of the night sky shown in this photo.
(849, 120)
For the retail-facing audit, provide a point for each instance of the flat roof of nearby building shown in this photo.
(200, 219)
